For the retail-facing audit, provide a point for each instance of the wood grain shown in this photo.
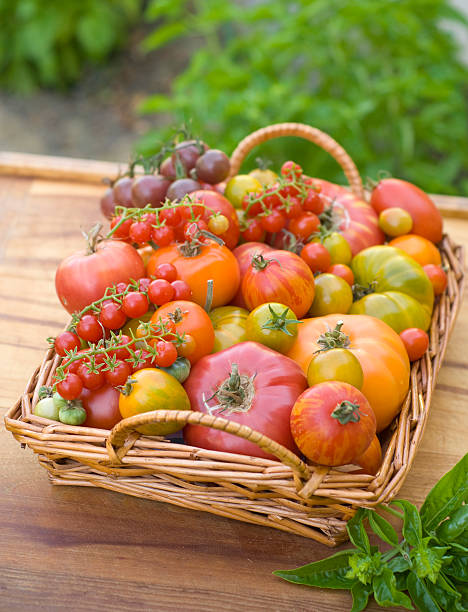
(85, 549)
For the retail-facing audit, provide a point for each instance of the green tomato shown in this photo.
(239, 186)
(337, 246)
(47, 409)
(274, 325)
(59, 401)
(73, 413)
(393, 287)
(229, 326)
(332, 295)
(335, 364)
(180, 369)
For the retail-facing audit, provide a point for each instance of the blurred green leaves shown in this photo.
(383, 78)
(45, 43)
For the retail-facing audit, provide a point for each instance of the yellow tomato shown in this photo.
(239, 186)
(265, 177)
(335, 364)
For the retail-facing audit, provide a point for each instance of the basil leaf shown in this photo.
(401, 581)
(382, 528)
(458, 568)
(412, 528)
(356, 531)
(328, 573)
(386, 593)
(446, 496)
(428, 560)
(445, 595)
(398, 564)
(421, 595)
(455, 526)
(360, 593)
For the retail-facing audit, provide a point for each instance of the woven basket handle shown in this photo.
(121, 431)
(307, 132)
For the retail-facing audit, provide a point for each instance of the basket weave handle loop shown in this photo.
(120, 432)
(324, 141)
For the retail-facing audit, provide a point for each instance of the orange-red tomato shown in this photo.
(279, 276)
(332, 423)
(416, 342)
(380, 352)
(437, 277)
(391, 192)
(199, 265)
(244, 253)
(419, 248)
(371, 459)
(344, 271)
(189, 318)
(356, 220)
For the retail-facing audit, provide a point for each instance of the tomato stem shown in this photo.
(235, 394)
(333, 338)
(346, 412)
(209, 296)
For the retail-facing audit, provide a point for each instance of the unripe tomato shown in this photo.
(273, 325)
(335, 364)
(239, 186)
(338, 247)
(332, 295)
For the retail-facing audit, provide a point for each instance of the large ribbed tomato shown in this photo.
(216, 203)
(380, 352)
(332, 423)
(391, 192)
(189, 318)
(84, 276)
(355, 219)
(250, 384)
(197, 264)
(244, 253)
(279, 276)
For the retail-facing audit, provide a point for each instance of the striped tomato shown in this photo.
(244, 253)
(354, 218)
(279, 276)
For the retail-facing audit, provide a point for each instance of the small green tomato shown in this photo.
(274, 325)
(335, 364)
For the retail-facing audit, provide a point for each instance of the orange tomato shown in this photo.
(438, 278)
(371, 459)
(197, 265)
(189, 318)
(279, 276)
(420, 249)
(380, 352)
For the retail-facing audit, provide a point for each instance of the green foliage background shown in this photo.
(45, 43)
(383, 77)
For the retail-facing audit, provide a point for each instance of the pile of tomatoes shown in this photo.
(278, 301)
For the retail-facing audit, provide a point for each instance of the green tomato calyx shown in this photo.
(260, 263)
(127, 388)
(347, 412)
(333, 338)
(360, 291)
(235, 394)
(280, 322)
(45, 392)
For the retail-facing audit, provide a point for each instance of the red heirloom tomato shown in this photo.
(332, 423)
(438, 278)
(244, 253)
(197, 264)
(84, 276)
(102, 407)
(247, 383)
(279, 276)
(217, 203)
(416, 342)
(189, 318)
(355, 219)
(427, 220)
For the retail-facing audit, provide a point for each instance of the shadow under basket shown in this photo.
(311, 501)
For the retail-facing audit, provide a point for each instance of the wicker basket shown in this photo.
(314, 502)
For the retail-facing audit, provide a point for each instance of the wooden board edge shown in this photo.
(72, 169)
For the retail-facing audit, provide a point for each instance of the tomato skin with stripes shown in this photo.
(279, 276)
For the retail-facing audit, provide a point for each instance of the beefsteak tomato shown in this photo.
(379, 349)
(250, 384)
(394, 287)
(332, 423)
(279, 276)
(84, 276)
(427, 220)
(196, 264)
(244, 253)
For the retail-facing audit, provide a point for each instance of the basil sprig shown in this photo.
(428, 568)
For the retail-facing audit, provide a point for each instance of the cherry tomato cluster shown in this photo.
(179, 169)
(174, 221)
(110, 358)
(293, 203)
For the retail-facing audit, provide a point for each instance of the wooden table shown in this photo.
(85, 549)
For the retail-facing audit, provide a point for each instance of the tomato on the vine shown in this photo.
(416, 342)
(313, 202)
(292, 208)
(66, 341)
(305, 225)
(166, 271)
(167, 353)
(134, 304)
(119, 374)
(171, 216)
(140, 232)
(192, 228)
(273, 222)
(70, 387)
(123, 230)
(218, 224)
(160, 292)
(112, 316)
(91, 379)
(254, 231)
(162, 235)
(291, 170)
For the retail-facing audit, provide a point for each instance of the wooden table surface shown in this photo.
(84, 549)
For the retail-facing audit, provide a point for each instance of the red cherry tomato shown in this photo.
(166, 271)
(160, 292)
(66, 341)
(171, 216)
(140, 232)
(273, 222)
(123, 230)
(167, 354)
(134, 304)
(304, 226)
(89, 328)
(343, 271)
(119, 374)
(291, 170)
(416, 342)
(254, 231)
(162, 235)
(112, 316)
(313, 202)
(182, 290)
(71, 387)
(293, 208)
(316, 256)
(90, 379)
(437, 277)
